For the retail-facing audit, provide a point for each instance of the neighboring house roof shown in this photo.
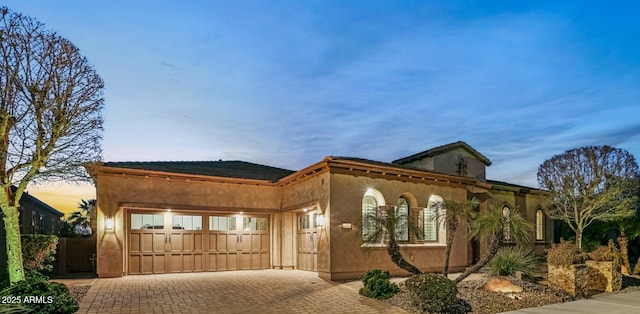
(441, 149)
(228, 169)
(512, 186)
(26, 197)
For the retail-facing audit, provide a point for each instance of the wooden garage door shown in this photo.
(162, 242)
(307, 241)
(237, 242)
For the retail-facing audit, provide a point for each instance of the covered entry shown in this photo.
(166, 241)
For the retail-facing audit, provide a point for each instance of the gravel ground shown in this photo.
(78, 292)
(485, 302)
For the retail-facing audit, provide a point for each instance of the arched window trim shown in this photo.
(432, 217)
(371, 201)
(539, 225)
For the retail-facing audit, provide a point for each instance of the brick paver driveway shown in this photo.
(260, 291)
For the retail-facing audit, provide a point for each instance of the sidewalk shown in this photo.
(599, 304)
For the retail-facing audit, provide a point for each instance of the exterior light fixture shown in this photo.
(320, 220)
(346, 225)
(109, 224)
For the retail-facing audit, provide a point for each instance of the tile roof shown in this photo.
(442, 149)
(228, 169)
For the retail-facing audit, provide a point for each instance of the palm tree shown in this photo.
(383, 226)
(83, 216)
(629, 230)
(494, 226)
(456, 213)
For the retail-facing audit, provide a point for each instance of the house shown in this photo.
(36, 217)
(164, 217)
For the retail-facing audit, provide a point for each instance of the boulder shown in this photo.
(501, 285)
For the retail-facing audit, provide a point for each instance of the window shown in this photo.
(432, 228)
(369, 209)
(506, 213)
(308, 221)
(539, 225)
(33, 222)
(186, 222)
(254, 224)
(147, 221)
(402, 214)
(222, 223)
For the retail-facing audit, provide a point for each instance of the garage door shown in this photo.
(307, 241)
(165, 242)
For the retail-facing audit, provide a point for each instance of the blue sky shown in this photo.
(285, 83)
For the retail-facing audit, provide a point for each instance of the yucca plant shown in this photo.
(492, 226)
(512, 259)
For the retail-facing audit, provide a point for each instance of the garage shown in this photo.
(177, 242)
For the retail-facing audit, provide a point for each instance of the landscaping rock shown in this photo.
(501, 285)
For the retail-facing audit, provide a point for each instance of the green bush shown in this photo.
(38, 251)
(511, 259)
(377, 285)
(434, 293)
(42, 296)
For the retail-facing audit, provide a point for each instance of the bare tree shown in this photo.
(587, 184)
(51, 101)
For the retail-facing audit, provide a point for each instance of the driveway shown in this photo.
(254, 291)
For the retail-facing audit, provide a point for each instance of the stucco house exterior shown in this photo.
(164, 217)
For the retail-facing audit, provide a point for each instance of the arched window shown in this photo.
(371, 200)
(430, 222)
(539, 225)
(402, 214)
(506, 213)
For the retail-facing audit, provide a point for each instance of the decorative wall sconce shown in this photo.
(109, 224)
(320, 220)
(346, 225)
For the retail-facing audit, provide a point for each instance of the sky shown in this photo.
(286, 83)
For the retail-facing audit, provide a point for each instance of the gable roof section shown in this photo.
(26, 197)
(227, 169)
(441, 149)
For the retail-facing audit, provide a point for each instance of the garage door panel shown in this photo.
(197, 242)
(177, 242)
(158, 242)
(134, 242)
(213, 242)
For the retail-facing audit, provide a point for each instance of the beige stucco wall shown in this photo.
(306, 193)
(447, 162)
(113, 191)
(349, 258)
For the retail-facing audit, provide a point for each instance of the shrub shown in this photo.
(511, 259)
(50, 297)
(436, 294)
(38, 250)
(377, 285)
(601, 253)
(562, 254)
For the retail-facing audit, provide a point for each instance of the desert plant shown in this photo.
(511, 259)
(377, 285)
(38, 251)
(601, 253)
(45, 296)
(493, 226)
(456, 213)
(384, 224)
(435, 293)
(562, 254)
